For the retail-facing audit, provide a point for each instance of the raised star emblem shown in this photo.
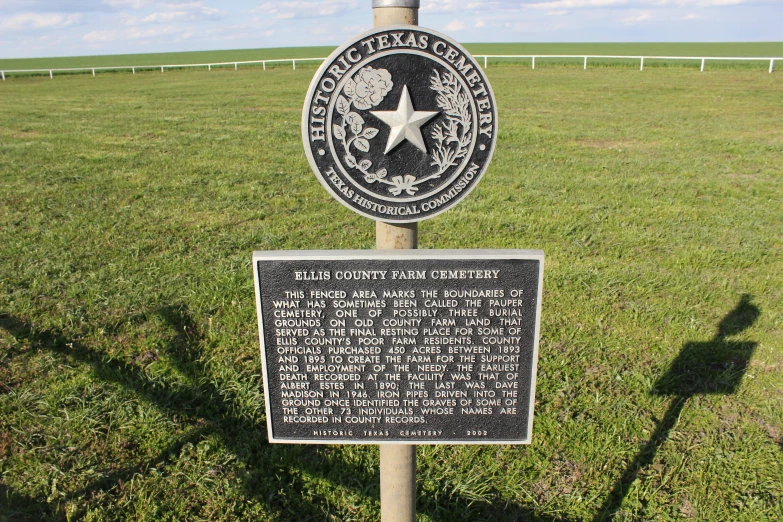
(405, 123)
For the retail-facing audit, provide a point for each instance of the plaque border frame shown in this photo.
(347, 255)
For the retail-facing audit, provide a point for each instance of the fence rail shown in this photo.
(641, 59)
(134, 68)
(486, 57)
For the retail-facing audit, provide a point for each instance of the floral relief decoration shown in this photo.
(366, 90)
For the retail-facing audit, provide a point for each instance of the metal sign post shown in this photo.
(398, 461)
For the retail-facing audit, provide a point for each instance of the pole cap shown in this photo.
(414, 4)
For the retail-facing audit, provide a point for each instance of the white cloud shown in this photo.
(455, 25)
(173, 13)
(479, 23)
(451, 6)
(576, 4)
(27, 21)
(644, 16)
(691, 16)
(306, 8)
(132, 4)
(53, 6)
(185, 12)
(133, 33)
(561, 12)
(714, 3)
(584, 4)
(164, 17)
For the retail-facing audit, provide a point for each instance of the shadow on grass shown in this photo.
(271, 478)
(711, 367)
(205, 407)
(15, 507)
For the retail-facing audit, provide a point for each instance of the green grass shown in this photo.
(129, 359)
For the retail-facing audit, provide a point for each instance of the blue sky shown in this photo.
(31, 28)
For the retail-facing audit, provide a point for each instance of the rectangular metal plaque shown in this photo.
(399, 346)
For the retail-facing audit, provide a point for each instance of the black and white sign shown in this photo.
(399, 124)
(406, 346)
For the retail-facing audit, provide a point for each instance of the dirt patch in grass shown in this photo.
(775, 433)
(25, 135)
(266, 109)
(565, 474)
(687, 509)
(145, 358)
(763, 366)
(610, 144)
(742, 177)
(5, 444)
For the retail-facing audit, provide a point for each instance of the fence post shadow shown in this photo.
(701, 368)
(16, 507)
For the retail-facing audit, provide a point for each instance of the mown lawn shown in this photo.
(130, 383)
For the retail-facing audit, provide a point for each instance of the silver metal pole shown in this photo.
(395, 12)
(398, 483)
(702, 65)
(771, 66)
(398, 461)
(641, 64)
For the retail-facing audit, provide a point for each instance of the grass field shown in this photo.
(130, 383)
(772, 49)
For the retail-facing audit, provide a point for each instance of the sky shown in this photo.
(37, 28)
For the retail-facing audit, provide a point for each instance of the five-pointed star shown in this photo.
(405, 123)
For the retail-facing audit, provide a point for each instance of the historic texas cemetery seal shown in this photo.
(399, 124)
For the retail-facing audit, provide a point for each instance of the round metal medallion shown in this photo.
(399, 124)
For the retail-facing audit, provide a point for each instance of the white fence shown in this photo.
(641, 59)
(134, 68)
(486, 57)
